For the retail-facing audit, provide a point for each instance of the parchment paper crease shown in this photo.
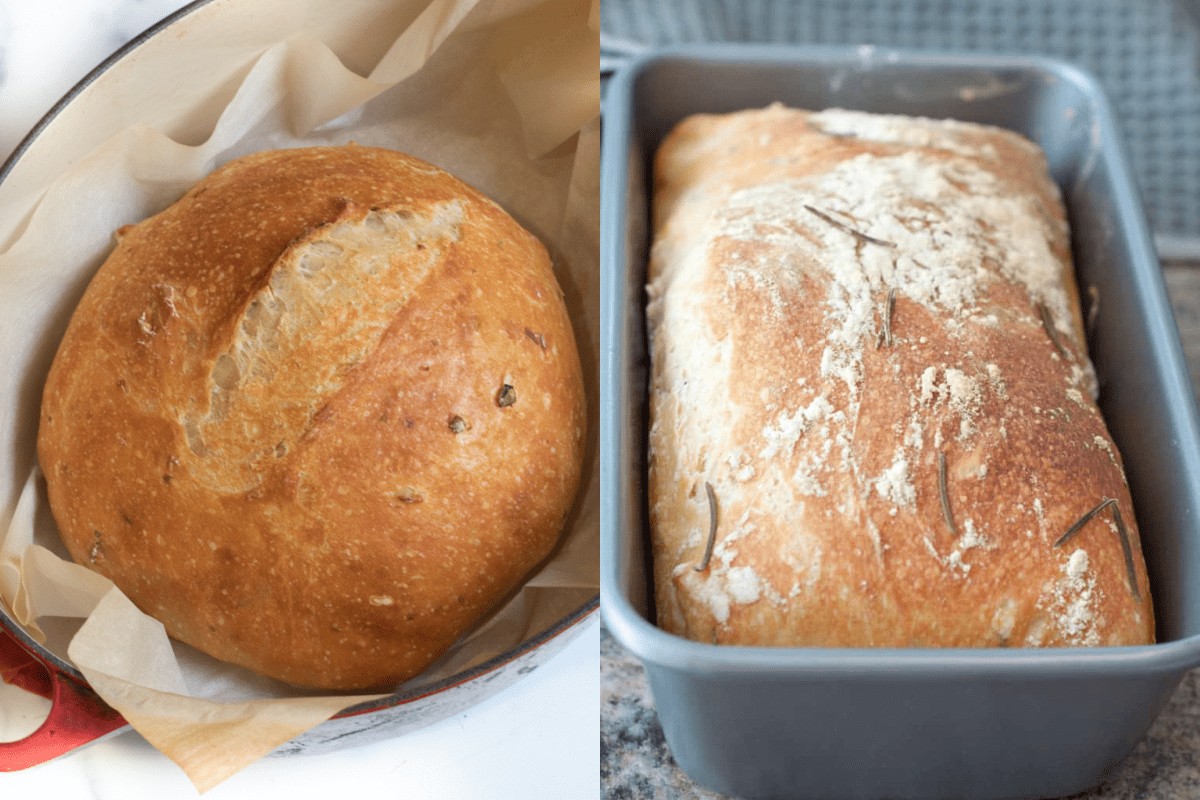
(502, 93)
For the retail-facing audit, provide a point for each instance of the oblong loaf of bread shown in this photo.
(872, 410)
(319, 416)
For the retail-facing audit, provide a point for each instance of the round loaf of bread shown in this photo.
(319, 416)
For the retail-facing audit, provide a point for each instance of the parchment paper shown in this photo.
(502, 93)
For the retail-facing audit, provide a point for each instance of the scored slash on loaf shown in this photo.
(319, 416)
(868, 353)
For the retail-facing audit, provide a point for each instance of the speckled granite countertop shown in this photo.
(636, 765)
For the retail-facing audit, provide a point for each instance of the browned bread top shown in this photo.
(319, 416)
(867, 342)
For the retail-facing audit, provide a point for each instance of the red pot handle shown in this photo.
(77, 715)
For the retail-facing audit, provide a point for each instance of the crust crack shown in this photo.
(317, 290)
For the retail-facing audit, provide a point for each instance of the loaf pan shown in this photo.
(871, 723)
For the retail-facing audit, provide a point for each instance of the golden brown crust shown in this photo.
(279, 422)
(779, 236)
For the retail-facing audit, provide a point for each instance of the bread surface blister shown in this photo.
(873, 416)
(318, 417)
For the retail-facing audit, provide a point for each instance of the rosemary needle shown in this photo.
(885, 335)
(1048, 325)
(712, 527)
(1127, 550)
(949, 517)
(843, 227)
(1122, 534)
(1084, 520)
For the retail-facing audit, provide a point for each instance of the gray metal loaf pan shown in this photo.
(807, 722)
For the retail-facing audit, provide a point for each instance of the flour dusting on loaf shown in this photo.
(866, 337)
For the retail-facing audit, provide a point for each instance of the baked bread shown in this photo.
(319, 416)
(870, 369)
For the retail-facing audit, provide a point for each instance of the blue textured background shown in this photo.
(1145, 52)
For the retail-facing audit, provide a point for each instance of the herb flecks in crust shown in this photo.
(96, 553)
(712, 527)
(841, 226)
(885, 335)
(536, 338)
(1048, 325)
(408, 494)
(945, 495)
(506, 396)
(1122, 534)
